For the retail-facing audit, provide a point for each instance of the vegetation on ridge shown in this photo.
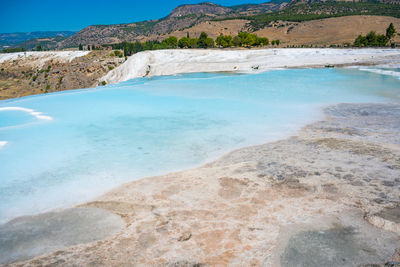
(373, 39)
(243, 39)
(313, 11)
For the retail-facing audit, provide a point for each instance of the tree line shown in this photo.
(243, 39)
(373, 39)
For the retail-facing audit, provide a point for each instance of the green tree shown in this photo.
(88, 47)
(360, 41)
(224, 41)
(390, 31)
(93, 47)
(371, 38)
(209, 42)
(80, 47)
(171, 42)
(184, 42)
(237, 41)
(118, 53)
(262, 41)
(381, 40)
(125, 51)
(248, 39)
(193, 42)
(204, 41)
(38, 48)
(277, 42)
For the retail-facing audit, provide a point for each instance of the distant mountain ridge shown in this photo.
(181, 17)
(187, 16)
(11, 39)
(253, 17)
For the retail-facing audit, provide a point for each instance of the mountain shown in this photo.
(297, 2)
(251, 17)
(46, 43)
(205, 8)
(11, 39)
(182, 17)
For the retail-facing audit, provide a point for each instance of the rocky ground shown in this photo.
(24, 76)
(327, 197)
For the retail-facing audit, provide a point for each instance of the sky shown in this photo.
(56, 15)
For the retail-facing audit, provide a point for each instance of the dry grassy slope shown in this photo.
(328, 31)
(182, 17)
(316, 32)
(212, 28)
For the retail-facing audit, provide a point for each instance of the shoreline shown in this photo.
(231, 185)
(237, 185)
(212, 158)
(179, 61)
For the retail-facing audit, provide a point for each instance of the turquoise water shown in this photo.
(99, 138)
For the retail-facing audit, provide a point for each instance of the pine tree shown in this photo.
(80, 47)
(390, 31)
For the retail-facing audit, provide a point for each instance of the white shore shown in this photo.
(170, 62)
(39, 58)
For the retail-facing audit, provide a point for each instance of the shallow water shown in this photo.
(84, 142)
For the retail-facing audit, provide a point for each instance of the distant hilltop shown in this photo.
(185, 18)
(214, 19)
(11, 39)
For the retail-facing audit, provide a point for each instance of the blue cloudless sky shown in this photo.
(55, 15)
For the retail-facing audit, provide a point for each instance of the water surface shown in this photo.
(87, 141)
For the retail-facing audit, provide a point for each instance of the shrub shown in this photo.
(390, 31)
(237, 41)
(204, 41)
(12, 50)
(371, 39)
(171, 42)
(224, 41)
(184, 42)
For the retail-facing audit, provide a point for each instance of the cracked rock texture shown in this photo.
(304, 201)
(25, 76)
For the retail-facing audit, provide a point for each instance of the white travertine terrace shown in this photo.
(170, 62)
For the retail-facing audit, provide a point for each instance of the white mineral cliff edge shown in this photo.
(40, 58)
(169, 62)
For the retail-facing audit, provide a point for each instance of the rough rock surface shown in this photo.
(302, 201)
(28, 76)
(29, 236)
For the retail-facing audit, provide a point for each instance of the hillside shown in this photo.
(46, 43)
(12, 39)
(182, 17)
(297, 12)
(32, 73)
(329, 31)
(189, 18)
